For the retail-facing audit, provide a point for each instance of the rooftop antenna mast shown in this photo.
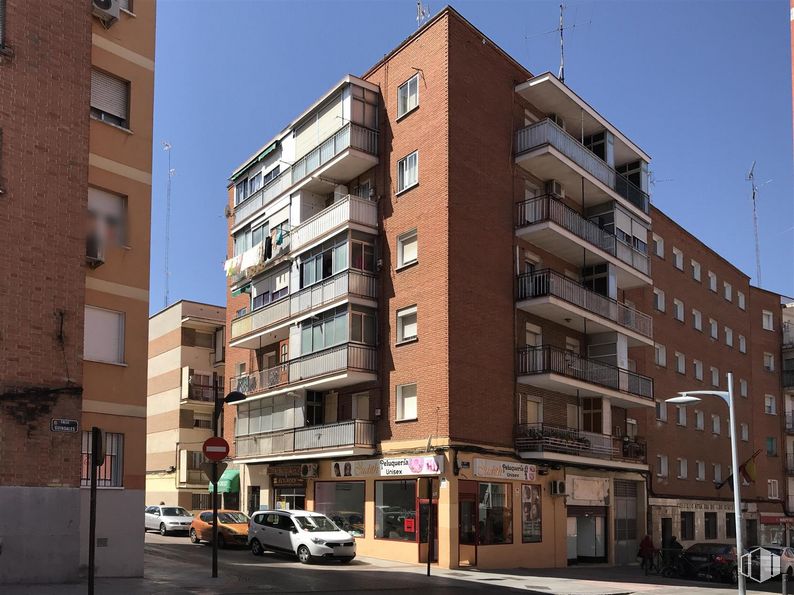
(561, 74)
(167, 148)
(422, 12)
(751, 178)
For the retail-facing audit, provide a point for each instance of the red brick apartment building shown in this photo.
(76, 89)
(440, 299)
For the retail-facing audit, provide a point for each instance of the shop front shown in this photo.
(228, 489)
(288, 484)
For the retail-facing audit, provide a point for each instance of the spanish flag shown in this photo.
(747, 472)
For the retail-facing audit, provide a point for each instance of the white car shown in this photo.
(167, 519)
(306, 534)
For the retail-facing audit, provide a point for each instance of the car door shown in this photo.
(283, 533)
(204, 526)
(257, 528)
(268, 530)
(147, 517)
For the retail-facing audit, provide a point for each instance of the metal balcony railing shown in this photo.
(547, 359)
(348, 356)
(548, 208)
(350, 136)
(551, 283)
(547, 132)
(352, 433)
(542, 437)
(202, 392)
(353, 209)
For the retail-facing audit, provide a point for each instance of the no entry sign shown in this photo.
(216, 448)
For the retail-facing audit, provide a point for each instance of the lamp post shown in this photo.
(693, 396)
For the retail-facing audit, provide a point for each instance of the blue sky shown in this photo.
(703, 87)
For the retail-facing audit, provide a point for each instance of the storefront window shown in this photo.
(495, 514)
(531, 517)
(343, 503)
(395, 509)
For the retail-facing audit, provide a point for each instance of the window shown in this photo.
(769, 362)
(770, 405)
(713, 329)
(710, 525)
(695, 270)
(771, 489)
(532, 514)
(678, 259)
(406, 402)
(661, 465)
(680, 363)
(658, 245)
(742, 344)
(699, 420)
(408, 172)
(681, 415)
(728, 337)
(767, 320)
(406, 324)
(395, 501)
(715, 376)
(406, 249)
(715, 423)
(730, 525)
(682, 469)
(697, 320)
(343, 503)
(661, 410)
(700, 471)
(2, 22)
(660, 355)
(495, 513)
(744, 432)
(324, 330)
(716, 470)
(110, 98)
(408, 96)
(103, 335)
(330, 258)
(362, 257)
(658, 299)
(107, 217)
(727, 291)
(362, 327)
(713, 281)
(743, 387)
(111, 473)
(687, 526)
(740, 300)
(698, 365)
(678, 309)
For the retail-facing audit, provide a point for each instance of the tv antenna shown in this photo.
(167, 148)
(755, 189)
(561, 28)
(422, 12)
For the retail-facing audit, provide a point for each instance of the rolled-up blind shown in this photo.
(109, 94)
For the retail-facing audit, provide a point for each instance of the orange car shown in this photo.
(232, 527)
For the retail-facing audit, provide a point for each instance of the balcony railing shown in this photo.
(347, 282)
(550, 283)
(790, 463)
(351, 136)
(788, 378)
(788, 335)
(541, 437)
(352, 433)
(547, 132)
(547, 208)
(351, 209)
(345, 357)
(547, 359)
(202, 392)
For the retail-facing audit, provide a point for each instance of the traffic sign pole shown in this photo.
(214, 476)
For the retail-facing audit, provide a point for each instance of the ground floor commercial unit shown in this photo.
(165, 488)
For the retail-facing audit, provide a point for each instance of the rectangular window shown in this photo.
(710, 525)
(658, 299)
(362, 328)
(742, 344)
(103, 335)
(658, 245)
(408, 96)
(407, 248)
(680, 363)
(681, 415)
(661, 465)
(406, 324)
(678, 259)
(687, 526)
(715, 423)
(660, 355)
(682, 469)
(343, 503)
(728, 337)
(713, 329)
(697, 320)
(111, 473)
(771, 486)
(2, 22)
(769, 362)
(730, 525)
(495, 513)
(395, 501)
(699, 420)
(695, 270)
(727, 291)
(362, 257)
(740, 300)
(743, 387)
(716, 470)
(770, 405)
(698, 366)
(715, 376)
(110, 97)
(107, 219)
(532, 513)
(700, 471)
(661, 410)
(767, 320)
(713, 281)
(678, 309)
(408, 172)
(406, 402)
(744, 432)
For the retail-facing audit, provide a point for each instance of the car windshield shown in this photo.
(231, 518)
(175, 511)
(316, 523)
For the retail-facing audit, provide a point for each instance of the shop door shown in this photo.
(427, 487)
(231, 500)
(290, 499)
(588, 525)
(253, 499)
(667, 531)
(467, 539)
(626, 539)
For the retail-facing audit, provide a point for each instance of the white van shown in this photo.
(306, 534)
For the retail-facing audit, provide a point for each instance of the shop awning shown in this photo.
(228, 482)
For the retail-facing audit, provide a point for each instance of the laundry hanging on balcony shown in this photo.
(233, 265)
(268, 247)
(252, 257)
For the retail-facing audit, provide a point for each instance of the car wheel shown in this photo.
(221, 542)
(163, 531)
(304, 555)
(256, 548)
(194, 538)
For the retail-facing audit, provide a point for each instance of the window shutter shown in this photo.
(109, 94)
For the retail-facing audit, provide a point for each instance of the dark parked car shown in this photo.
(709, 561)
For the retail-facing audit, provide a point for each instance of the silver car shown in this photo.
(167, 519)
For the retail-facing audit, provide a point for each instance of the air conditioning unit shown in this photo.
(309, 470)
(106, 11)
(94, 250)
(557, 488)
(555, 188)
(557, 120)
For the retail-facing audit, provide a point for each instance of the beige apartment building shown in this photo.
(76, 93)
(186, 351)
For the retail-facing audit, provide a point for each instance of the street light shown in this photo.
(693, 396)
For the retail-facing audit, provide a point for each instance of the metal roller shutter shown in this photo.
(109, 94)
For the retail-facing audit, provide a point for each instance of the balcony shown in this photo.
(334, 367)
(553, 226)
(789, 422)
(349, 152)
(351, 211)
(788, 379)
(269, 324)
(565, 372)
(551, 442)
(199, 392)
(353, 437)
(553, 296)
(788, 335)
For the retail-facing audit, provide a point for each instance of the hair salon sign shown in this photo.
(493, 469)
(396, 467)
